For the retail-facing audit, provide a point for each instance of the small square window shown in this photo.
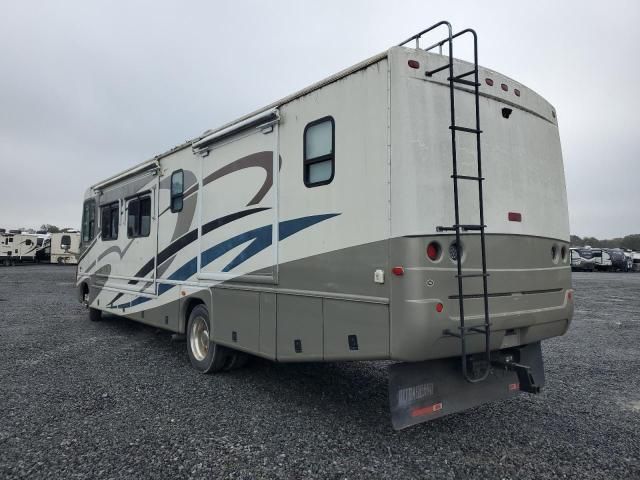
(319, 152)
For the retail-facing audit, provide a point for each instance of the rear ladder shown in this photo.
(457, 227)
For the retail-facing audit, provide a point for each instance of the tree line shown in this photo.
(630, 241)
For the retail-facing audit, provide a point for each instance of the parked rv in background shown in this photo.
(636, 261)
(65, 247)
(588, 259)
(19, 248)
(582, 260)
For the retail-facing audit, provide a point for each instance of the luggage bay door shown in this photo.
(239, 208)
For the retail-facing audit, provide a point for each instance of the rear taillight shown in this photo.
(413, 64)
(399, 271)
(439, 307)
(433, 251)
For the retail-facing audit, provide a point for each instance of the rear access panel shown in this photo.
(423, 391)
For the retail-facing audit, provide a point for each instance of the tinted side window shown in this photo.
(88, 221)
(110, 215)
(319, 152)
(65, 240)
(139, 217)
(177, 190)
(28, 242)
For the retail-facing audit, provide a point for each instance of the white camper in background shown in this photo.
(19, 248)
(354, 220)
(6, 247)
(65, 247)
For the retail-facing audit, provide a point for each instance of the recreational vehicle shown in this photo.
(379, 214)
(19, 248)
(602, 259)
(65, 247)
(582, 260)
(636, 262)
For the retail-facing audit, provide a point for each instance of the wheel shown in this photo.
(205, 355)
(95, 315)
(60, 260)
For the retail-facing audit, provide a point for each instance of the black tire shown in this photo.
(205, 355)
(95, 315)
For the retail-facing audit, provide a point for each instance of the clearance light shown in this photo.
(399, 271)
(439, 307)
(413, 64)
(504, 87)
(433, 251)
(489, 82)
(517, 92)
(515, 217)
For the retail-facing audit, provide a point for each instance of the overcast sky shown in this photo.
(88, 89)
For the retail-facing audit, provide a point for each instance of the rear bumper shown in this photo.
(530, 297)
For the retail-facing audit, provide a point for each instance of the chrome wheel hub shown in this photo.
(199, 338)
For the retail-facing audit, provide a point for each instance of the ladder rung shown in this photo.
(428, 73)
(472, 227)
(453, 228)
(467, 177)
(472, 275)
(465, 129)
(483, 329)
(479, 329)
(466, 74)
(465, 82)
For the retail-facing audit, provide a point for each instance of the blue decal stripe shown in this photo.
(263, 236)
(261, 239)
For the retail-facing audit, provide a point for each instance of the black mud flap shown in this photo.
(423, 391)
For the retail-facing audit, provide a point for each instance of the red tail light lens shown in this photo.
(413, 63)
(439, 307)
(433, 251)
(399, 271)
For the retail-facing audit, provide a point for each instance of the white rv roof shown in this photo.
(208, 134)
(153, 161)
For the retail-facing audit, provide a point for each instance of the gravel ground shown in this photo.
(116, 399)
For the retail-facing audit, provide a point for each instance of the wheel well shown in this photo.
(83, 290)
(191, 304)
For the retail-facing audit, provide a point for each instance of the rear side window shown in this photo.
(110, 217)
(319, 152)
(139, 217)
(88, 221)
(28, 242)
(177, 190)
(65, 241)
